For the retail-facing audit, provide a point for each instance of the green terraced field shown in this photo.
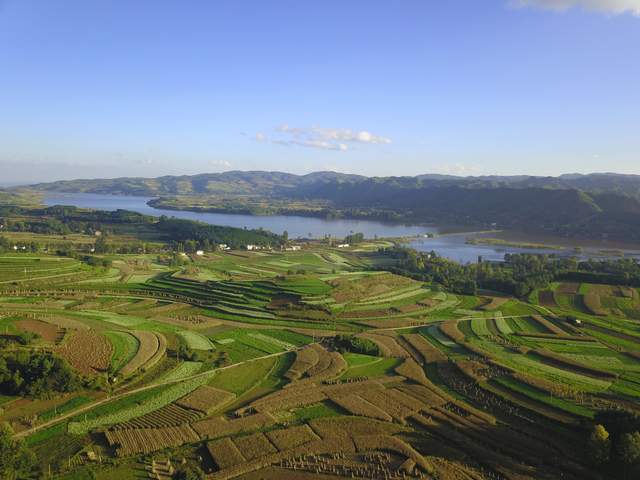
(238, 309)
(125, 346)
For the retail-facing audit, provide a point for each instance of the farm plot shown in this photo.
(269, 339)
(527, 325)
(434, 331)
(151, 348)
(427, 351)
(330, 365)
(568, 288)
(547, 299)
(171, 415)
(215, 427)
(27, 269)
(335, 259)
(243, 378)
(196, 340)
(164, 396)
(394, 295)
(146, 440)
(593, 303)
(493, 303)
(502, 325)
(532, 366)
(378, 367)
(543, 397)
(87, 351)
(246, 344)
(479, 327)
(306, 358)
(205, 399)
(548, 325)
(254, 446)
(387, 345)
(48, 332)
(288, 337)
(125, 347)
(285, 439)
(393, 402)
(350, 288)
(67, 406)
(225, 453)
(183, 370)
(358, 406)
(115, 318)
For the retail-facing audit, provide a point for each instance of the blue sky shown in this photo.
(111, 88)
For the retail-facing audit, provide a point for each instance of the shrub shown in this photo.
(599, 445)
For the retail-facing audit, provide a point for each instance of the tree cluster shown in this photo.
(354, 238)
(191, 236)
(36, 374)
(349, 343)
(613, 443)
(518, 275)
(16, 460)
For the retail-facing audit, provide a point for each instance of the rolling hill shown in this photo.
(603, 205)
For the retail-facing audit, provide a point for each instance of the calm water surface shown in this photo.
(297, 226)
(452, 246)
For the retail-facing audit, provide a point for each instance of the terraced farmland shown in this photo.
(308, 363)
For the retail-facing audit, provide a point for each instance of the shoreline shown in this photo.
(505, 237)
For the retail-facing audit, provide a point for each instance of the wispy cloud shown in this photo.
(220, 163)
(340, 139)
(616, 7)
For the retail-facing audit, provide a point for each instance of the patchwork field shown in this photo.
(312, 364)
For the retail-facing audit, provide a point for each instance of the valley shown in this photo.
(251, 364)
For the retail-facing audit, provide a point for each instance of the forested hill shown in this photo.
(235, 182)
(279, 183)
(566, 212)
(594, 206)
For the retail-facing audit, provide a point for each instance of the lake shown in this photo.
(449, 245)
(296, 226)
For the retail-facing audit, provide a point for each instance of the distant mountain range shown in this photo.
(596, 205)
(270, 183)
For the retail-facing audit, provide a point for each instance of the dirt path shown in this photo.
(435, 322)
(33, 279)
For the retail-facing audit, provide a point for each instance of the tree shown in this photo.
(628, 448)
(599, 445)
(101, 245)
(16, 460)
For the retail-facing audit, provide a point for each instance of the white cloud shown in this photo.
(220, 163)
(340, 139)
(607, 6)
